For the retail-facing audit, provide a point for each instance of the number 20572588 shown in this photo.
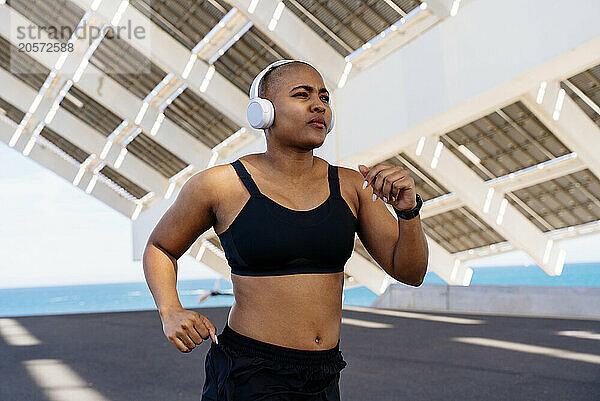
(36, 47)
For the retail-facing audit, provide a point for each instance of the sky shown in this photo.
(53, 233)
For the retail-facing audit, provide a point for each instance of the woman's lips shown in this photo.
(317, 124)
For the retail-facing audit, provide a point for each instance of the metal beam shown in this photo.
(571, 126)
(111, 95)
(416, 25)
(487, 203)
(441, 262)
(81, 135)
(116, 98)
(288, 31)
(173, 57)
(223, 36)
(510, 183)
(558, 236)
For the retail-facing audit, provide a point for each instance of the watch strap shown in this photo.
(410, 214)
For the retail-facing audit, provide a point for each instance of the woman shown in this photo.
(287, 221)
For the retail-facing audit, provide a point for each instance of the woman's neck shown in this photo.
(294, 165)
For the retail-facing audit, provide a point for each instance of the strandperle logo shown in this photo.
(84, 31)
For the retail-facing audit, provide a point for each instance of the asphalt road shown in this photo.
(407, 356)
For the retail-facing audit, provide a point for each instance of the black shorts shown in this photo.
(241, 368)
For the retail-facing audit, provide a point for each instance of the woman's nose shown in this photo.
(318, 107)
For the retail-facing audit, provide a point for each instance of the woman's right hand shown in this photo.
(185, 328)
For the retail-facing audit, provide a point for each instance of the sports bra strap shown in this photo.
(246, 179)
(334, 182)
(332, 177)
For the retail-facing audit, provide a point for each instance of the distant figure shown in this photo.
(287, 222)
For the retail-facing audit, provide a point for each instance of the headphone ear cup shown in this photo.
(260, 113)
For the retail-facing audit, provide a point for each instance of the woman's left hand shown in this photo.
(393, 184)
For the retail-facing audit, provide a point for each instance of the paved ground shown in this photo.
(125, 356)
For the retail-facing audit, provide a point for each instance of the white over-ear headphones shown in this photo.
(261, 112)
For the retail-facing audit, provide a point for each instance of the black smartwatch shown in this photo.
(409, 214)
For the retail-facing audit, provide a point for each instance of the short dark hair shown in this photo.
(273, 77)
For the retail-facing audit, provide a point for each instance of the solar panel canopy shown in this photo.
(129, 119)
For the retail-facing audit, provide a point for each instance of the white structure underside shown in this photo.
(455, 71)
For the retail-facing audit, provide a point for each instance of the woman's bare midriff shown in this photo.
(300, 311)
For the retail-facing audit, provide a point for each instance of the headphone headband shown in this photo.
(254, 88)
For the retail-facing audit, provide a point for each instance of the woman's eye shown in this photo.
(326, 98)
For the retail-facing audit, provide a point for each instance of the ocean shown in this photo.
(136, 296)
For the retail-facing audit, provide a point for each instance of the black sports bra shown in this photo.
(268, 239)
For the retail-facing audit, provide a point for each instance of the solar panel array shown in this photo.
(509, 140)
(347, 25)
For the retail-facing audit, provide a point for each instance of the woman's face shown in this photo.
(299, 97)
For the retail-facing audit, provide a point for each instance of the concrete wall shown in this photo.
(511, 300)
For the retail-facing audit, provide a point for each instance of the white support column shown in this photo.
(142, 227)
(572, 126)
(372, 277)
(446, 266)
(211, 256)
(287, 32)
(350, 282)
(63, 168)
(256, 146)
(441, 8)
(81, 135)
(487, 203)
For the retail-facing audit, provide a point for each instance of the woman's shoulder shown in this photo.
(341, 169)
(214, 179)
(350, 176)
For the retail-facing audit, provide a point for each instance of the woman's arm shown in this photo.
(399, 247)
(192, 213)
